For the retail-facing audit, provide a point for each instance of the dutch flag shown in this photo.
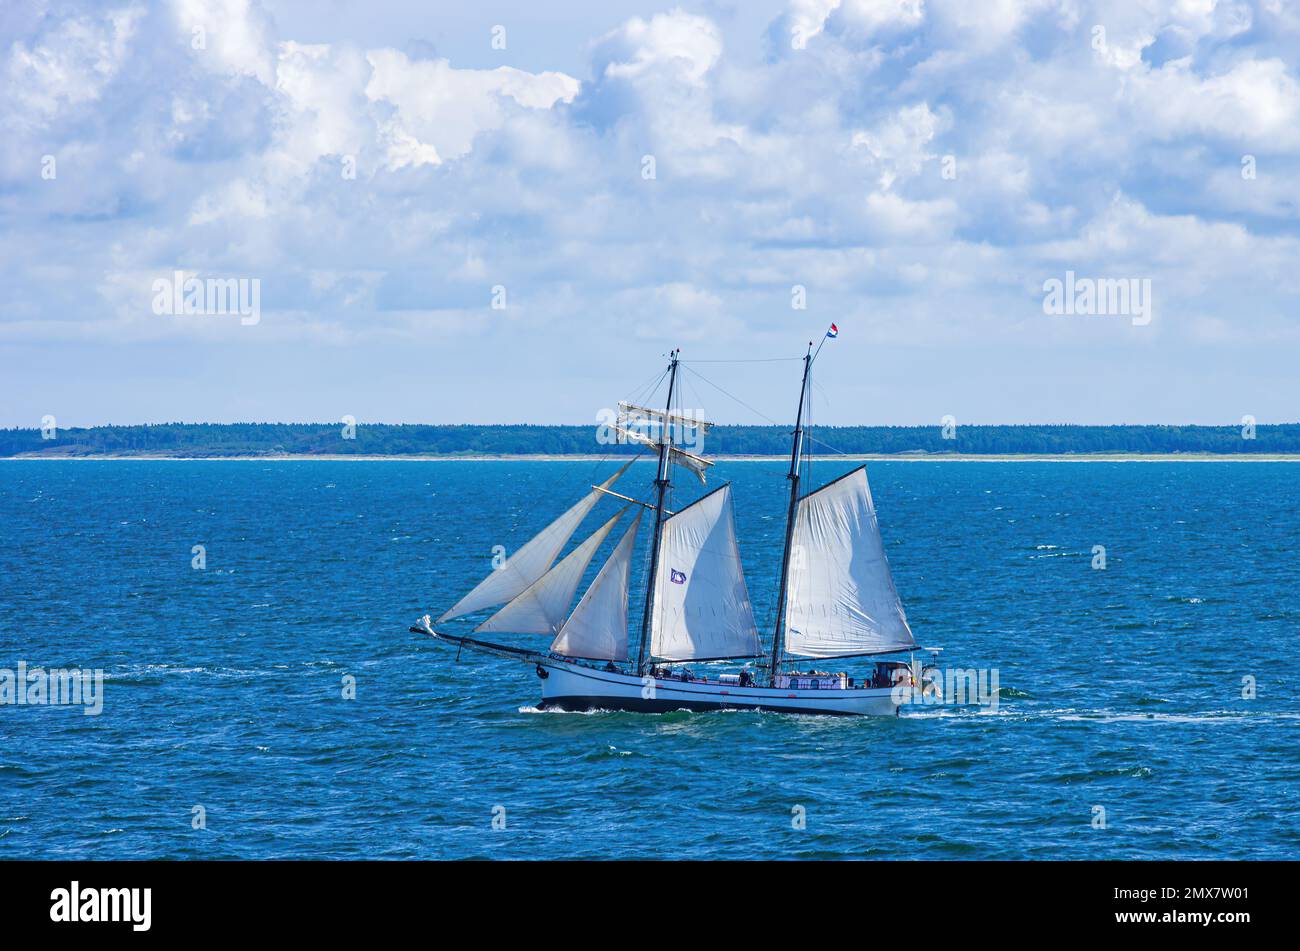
(833, 332)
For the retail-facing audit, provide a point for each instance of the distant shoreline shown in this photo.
(383, 441)
(869, 457)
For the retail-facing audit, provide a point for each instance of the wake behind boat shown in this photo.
(837, 597)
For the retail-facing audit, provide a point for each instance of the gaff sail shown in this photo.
(522, 569)
(841, 598)
(541, 608)
(597, 628)
(701, 608)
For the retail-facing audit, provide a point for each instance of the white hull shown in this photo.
(568, 686)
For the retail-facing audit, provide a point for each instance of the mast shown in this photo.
(793, 476)
(661, 482)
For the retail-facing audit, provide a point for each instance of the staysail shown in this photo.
(701, 607)
(597, 629)
(541, 608)
(529, 563)
(841, 598)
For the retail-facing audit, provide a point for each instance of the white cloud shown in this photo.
(226, 36)
(979, 27)
(808, 18)
(870, 16)
(900, 143)
(1254, 104)
(774, 167)
(323, 102)
(239, 199)
(70, 65)
(892, 217)
(678, 312)
(440, 109)
(864, 18)
(679, 43)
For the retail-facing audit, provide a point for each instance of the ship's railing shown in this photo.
(798, 681)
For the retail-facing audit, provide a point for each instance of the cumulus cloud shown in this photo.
(680, 44)
(1254, 102)
(70, 64)
(919, 166)
(443, 108)
(862, 18)
(227, 36)
(900, 144)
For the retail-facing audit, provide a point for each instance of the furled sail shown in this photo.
(689, 461)
(634, 436)
(597, 628)
(541, 608)
(692, 463)
(529, 563)
(701, 607)
(841, 598)
(630, 413)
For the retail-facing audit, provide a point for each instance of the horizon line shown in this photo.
(586, 425)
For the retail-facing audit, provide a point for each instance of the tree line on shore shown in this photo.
(252, 439)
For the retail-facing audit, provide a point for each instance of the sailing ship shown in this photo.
(837, 596)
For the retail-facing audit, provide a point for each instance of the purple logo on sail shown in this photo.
(676, 577)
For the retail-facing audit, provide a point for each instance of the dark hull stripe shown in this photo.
(639, 705)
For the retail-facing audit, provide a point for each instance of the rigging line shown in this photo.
(810, 437)
(811, 408)
(699, 408)
(813, 439)
(829, 446)
(733, 397)
(766, 360)
(642, 395)
(610, 456)
(647, 390)
(646, 393)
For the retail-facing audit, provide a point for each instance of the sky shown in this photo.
(512, 212)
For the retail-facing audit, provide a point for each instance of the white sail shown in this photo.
(841, 598)
(689, 461)
(542, 606)
(631, 413)
(633, 436)
(692, 463)
(701, 605)
(528, 564)
(597, 629)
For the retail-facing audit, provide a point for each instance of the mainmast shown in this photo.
(661, 482)
(795, 453)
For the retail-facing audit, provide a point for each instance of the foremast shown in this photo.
(662, 482)
(796, 454)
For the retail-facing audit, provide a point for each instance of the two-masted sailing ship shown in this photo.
(837, 597)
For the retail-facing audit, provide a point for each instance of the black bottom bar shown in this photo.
(927, 904)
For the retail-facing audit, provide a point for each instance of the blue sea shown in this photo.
(1124, 691)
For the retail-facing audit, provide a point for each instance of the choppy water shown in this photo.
(1121, 688)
